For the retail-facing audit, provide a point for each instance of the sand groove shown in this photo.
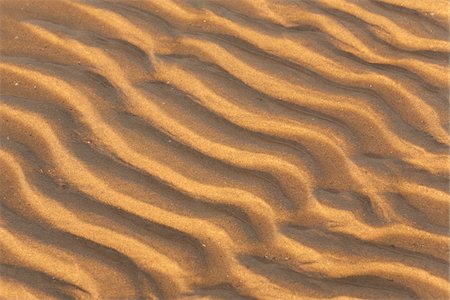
(224, 149)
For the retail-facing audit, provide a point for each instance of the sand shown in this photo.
(238, 149)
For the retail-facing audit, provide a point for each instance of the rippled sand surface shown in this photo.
(224, 149)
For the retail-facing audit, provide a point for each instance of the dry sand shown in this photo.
(224, 149)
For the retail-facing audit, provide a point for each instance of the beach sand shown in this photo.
(224, 149)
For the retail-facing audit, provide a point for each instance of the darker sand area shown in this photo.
(238, 149)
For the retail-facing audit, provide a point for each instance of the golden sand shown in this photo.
(224, 149)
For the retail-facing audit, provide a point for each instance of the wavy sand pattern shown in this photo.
(239, 149)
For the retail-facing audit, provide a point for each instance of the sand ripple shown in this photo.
(224, 149)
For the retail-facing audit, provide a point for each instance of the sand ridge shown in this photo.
(224, 149)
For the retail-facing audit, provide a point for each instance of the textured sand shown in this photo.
(224, 149)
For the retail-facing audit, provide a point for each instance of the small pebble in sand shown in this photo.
(16, 83)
